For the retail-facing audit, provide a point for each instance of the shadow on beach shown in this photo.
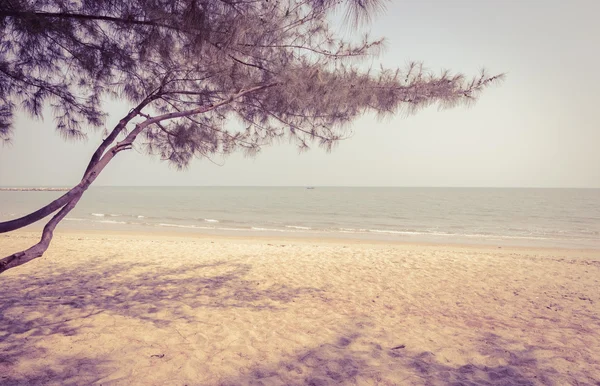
(35, 308)
(340, 362)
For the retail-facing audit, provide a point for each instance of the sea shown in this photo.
(494, 216)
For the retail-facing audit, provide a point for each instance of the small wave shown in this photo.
(396, 232)
(140, 216)
(210, 220)
(501, 237)
(298, 227)
(586, 232)
(183, 226)
(481, 235)
(268, 229)
(98, 214)
(176, 225)
(352, 230)
(112, 222)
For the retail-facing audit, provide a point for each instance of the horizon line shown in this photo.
(304, 186)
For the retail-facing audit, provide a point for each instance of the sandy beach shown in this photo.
(135, 309)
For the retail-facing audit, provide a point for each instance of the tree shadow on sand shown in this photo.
(353, 358)
(34, 308)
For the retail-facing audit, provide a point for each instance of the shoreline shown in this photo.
(161, 235)
(147, 309)
(519, 218)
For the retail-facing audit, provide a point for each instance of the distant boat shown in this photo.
(310, 187)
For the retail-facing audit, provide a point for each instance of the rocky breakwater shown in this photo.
(34, 189)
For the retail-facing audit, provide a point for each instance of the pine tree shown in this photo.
(202, 77)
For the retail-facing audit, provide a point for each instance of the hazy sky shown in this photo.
(540, 128)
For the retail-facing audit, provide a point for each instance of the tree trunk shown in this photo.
(52, 207)
(97, 164)
(117, 130)
(38, 249)
(40, 213)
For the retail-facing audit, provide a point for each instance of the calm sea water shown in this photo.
(538, 217)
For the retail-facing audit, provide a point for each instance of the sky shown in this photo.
(539, 128)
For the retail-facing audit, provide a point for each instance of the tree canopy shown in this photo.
(203, 77)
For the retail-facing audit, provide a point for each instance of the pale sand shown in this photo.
(108, 309)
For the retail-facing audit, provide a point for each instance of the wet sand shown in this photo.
(134, 309)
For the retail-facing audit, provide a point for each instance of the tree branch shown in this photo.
(79, 16)
(117, 130)
(70, 199)
(185, 113)
(39, 214)
(250, 64)
(20, 258)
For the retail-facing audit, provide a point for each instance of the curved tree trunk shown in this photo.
(39, 214)
(97, 164)
(63, 200)
(38, 249)
(117, 130)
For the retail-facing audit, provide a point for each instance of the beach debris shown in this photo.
(398, 347)
(343, 341)
(157, 356)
